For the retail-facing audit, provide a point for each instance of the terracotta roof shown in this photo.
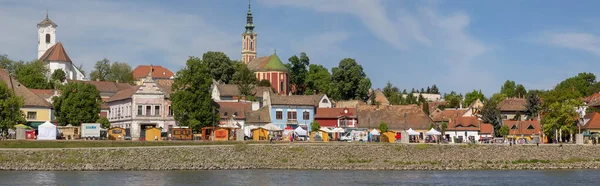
(593, 100)
(267, 63)
(306, 100)
(348, 103)
(232, 90)
(393, 116)
(464, 123)
(380, 97)
(435, 104)
(260, 116)
(486, 129)
(30, 99)
(123, 94)
(513, 104)
(106, 86)
(165, 85)
(45, 93)
(447, 114)
(334, 112)
(56, 53)
(523, 127)
(159, 72)
(238, 108)
(593, 122)
(104, 106)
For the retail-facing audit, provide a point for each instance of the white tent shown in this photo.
(412, 132)
(375, 132)
(338, 130)
(47, 131)
(325, 129)
(271, 127)
(433, 132)
(300, 131)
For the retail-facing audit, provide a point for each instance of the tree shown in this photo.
(33, 75)
(497, 98)
(314, 126)
(221, 67)
(503, 131)
(104, 122)
(10, 65)
(318, 80)
(428, 90)
(453, 99)
(561, 116)
(410, 99)
(58, 76)
(473, 96)
(120, 72)
(426, 107)
(298, 72)
(520, 91)
(443, 128)
(434, 89)
(10, 106)
(491, 114)
(78, 103)
(245, 79)
(387, 90)
(264, 83)
(508, 89)
(533, 104)
(101, 70)
(350, 81)
(383, 127)
(583, 84)
(191, 101)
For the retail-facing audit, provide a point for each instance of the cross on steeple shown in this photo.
(46, 13)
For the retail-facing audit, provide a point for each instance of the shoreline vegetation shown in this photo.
(311, 156)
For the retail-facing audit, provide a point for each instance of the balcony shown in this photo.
(348, 123)
(292, 121)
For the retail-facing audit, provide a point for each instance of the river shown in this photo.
(301, 177)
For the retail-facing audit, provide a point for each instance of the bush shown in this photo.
(383, 127)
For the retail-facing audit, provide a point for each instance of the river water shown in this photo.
(302, 177)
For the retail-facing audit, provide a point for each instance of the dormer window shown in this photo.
(235, 114)
(324, 101)
(47, 38)
(225, 114)
(530, 127)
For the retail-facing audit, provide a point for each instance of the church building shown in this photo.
(53, 54)
(266, 67)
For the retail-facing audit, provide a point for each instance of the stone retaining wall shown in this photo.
(331, 156)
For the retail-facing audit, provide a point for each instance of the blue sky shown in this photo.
(458, 45)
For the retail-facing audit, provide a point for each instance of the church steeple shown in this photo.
(249, 39)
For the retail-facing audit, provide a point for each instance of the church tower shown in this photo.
(249, 39)
(46, 35)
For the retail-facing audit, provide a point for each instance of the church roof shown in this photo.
(47, 21)
(267, 63)
(56, 53)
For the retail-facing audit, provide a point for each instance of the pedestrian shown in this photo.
(292, 137)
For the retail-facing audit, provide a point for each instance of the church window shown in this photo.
(251, 45)
(280, 86)
(47, 38)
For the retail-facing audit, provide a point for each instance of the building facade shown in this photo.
(35, 109)
(52, 53)
(296, 110)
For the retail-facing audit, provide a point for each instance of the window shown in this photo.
(514, 127)
(235, 114)
(139, 110)
(530, 127)
(251, 45)
(148, 110)
(157, 110)
(305, 115)
(324, 101)
(292, 115)
(170, 111)
(31, 115)
(280, 86)
(47, 38)
(279, 114)
(225, 114)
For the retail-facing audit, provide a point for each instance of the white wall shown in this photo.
(42, 45)
(462, 133)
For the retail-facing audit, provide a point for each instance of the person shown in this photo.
(292, 137)
(270, 137)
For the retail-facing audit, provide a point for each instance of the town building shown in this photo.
(509, 108)
(53, 54)
(295, 110)
(231, 93)
(397, 117)
(107, 89)
(591, 125)
(427, 96)
(336, 117)
(234, 113)
(463, 129)
(159, 73)
(36, 110)
(440, 116)
(527, 131)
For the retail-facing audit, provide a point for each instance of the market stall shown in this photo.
(47, 131)
(116, 133)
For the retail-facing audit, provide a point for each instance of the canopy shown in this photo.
(338, 130)
(46, 131)
(300, 131)
(411, 132)
(433, 132)
(251, 127)
(375, 132)
(325, 129)
(271, 127)
(21, 126)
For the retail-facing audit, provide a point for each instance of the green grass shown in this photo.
(84, 144)
(572, 160)
(520, 161)
(422, 146)
(283, 160)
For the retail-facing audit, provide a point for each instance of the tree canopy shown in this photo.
(383, 127)
(491, 114)
(245, 80)
(10, 106)
(220, 65)
(101, 70)
(117, 71)
(298, 68)
(33, 75)
(533, 104)
(78, 103)
(58, 76)
(473, 96)
(350, 81)
(318, 80)
(453, 99)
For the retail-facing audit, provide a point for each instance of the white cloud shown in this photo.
(574, 40)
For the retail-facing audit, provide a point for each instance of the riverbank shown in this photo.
(324, 156)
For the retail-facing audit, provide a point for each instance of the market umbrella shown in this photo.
(411, 132)
(271, 127)
(375, 132)
(300, 131)
(338, 130)
(433, 132)
(325, 129)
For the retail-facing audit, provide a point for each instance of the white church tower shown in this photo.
(46, 35)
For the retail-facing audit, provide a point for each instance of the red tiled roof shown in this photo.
(123, 94)
(238, 108)
(448, 113)
(334, 112)
(106, 86)
(45, 93)
(593, 122)
(380, 97)
(435, 104)
(348, 103)
(306, 100)
(260, 116)
(466, 123)
(56, 53)
(593, 100)
(513, 104)
(159, 72)
(522, 127)
(486, 128)
(29, 97)
(393, 115)
(165, 85)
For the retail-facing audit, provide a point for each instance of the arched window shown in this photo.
(280, 86)
(251, 45)
(47, 38)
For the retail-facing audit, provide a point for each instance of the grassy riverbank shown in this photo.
(322, 156)
(105, 143)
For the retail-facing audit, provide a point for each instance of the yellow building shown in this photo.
(35, 109)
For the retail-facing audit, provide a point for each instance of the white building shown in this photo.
(52, 53)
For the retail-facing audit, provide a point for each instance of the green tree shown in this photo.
(520, 91)
(10, 65)
(318, 80)
(314, 126)
(264, 83)
(503, 131)
(350, 81)
(426, 107)
(497, 98)
(245, 79)
(10, 106)
(58, 76)
(561, 116)
(443, 128)
(104, 122)
(491, 114)
(508, 89)
(410, 99)
(453, 99)
(387, 90)
(298, 72)
(191, 101)
(473, 96)
(121, 72)
(434, 89)
(33, 75)
(383, 127)
(78, 103)
(533, 104)
(583, 84)
(101, 70)
(220, 65)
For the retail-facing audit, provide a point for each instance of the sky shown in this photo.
(457, 45)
